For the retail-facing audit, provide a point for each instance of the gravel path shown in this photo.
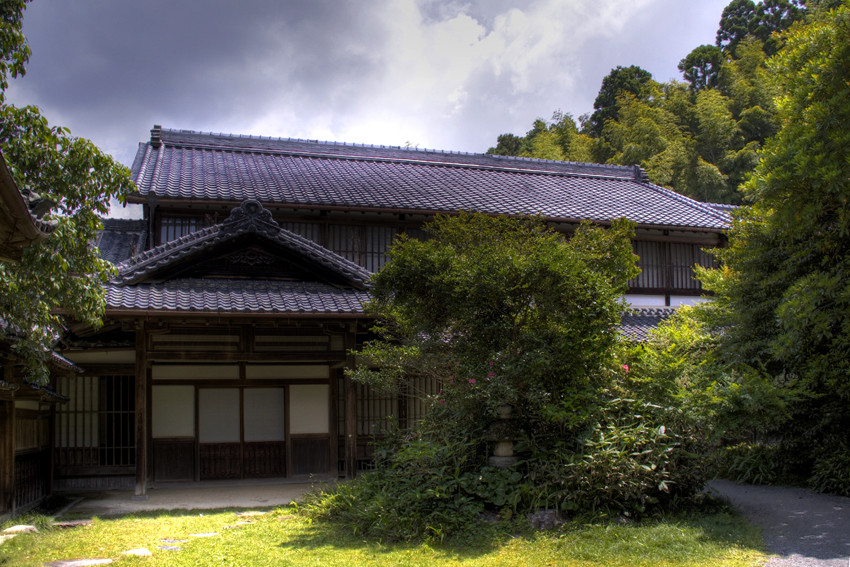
(803, 528)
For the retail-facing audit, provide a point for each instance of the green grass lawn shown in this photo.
(282, 537)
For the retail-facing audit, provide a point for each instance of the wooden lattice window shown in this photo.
(96, 426)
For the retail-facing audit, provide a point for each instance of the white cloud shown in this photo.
(436, 73)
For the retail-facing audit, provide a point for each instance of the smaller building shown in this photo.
(26, 411)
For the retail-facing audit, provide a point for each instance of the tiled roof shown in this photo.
(120, 239)
(18, 227)
(250, 217)
(637, 323)
(133, 289)
(243, 297)
(183, 165)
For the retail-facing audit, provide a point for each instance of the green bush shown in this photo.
(831, 472)
(418, 488)
(636, 458)
(506, 311)
(754, 463)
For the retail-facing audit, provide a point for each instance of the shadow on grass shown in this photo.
(713, 527)
(481, 538)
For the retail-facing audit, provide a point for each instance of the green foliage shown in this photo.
(701, 66)
(753, 463)
(735, 23)
(792, 321)
(742, 19)
(419, 486)
(831, 470)
(494, 297)
(501, 310)
(700, 138)
(633, 457)
(620, 81)
(69, 182)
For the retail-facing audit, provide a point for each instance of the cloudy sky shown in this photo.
(444, 74)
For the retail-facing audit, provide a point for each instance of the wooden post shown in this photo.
(350, 407)
(141, 414)
(7, 447)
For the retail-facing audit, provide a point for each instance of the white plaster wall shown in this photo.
(264, 414)
(218, 415)
(308, 408)
(173, 411)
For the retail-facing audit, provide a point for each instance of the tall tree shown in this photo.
(621, 80)
(772, 18)
(701, 66)
(71, 182)
(785, 285)
(735, 23)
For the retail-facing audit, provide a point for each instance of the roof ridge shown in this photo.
(628, 171)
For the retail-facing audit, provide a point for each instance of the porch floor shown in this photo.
(206, 495)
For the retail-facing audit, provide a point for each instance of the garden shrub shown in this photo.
(754, 463)
(831, 471)
(506, 311)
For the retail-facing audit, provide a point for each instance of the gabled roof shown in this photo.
(185, 166)
(18, 228)
(153, 280)
(248, 218)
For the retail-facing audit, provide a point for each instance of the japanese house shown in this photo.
(240, 293)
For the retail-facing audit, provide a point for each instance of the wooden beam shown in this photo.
(212, 356)
(141, 395)
(350, 408)
(7, 457)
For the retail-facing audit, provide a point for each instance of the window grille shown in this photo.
(96, 426)
(172, 228)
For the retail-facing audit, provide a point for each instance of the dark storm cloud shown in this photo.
(184, 63)
(447, 74)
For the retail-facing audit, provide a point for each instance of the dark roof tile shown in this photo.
(236, 297)
(120, 239)
(192, 165)
(637, 324)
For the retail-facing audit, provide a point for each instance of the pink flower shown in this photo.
(491, 375)
(491, 363)
(472, 380)
(443, 402)
(626, 368)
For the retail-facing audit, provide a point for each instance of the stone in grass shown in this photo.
(78, 562)
(7, 537)
(170, 547)
(140, 551)
(71, 524)
(545, 519)
(170, 540)
(207, 534)
(21, 529)
(250, 513)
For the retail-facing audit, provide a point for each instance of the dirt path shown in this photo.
(803, 528)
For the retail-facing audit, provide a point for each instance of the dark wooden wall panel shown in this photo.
(220, 460)
(310, 454)
(173, 459)
(265, 459)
